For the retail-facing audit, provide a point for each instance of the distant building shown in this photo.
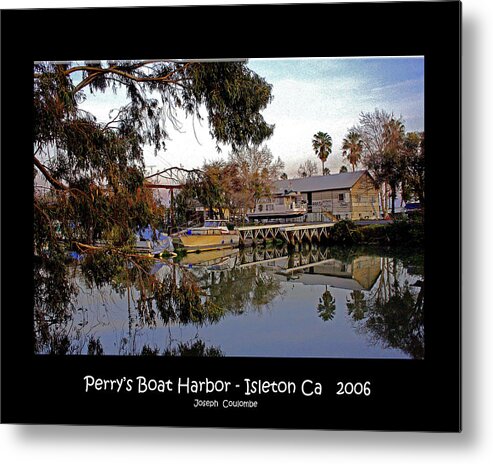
(348, 195)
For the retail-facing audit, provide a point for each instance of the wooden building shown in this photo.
(349, 195)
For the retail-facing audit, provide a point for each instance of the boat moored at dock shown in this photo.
(213, 235)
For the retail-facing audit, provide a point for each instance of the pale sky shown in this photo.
(310, 95)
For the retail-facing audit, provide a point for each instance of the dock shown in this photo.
(291, 234)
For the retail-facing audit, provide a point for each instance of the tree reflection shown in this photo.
(327, 306)
(155, 292)
(195, 348)
(242, 289)
(140, 293)
(172, 296)
(392, 312)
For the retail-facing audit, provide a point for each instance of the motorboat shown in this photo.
(213, 235)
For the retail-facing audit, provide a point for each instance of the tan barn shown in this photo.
(349, 195)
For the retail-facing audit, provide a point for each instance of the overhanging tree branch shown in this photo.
(58, 185)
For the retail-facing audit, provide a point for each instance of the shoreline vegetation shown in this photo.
(402, 232)
(94, 192)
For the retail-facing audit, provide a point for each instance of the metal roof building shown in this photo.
(342, 181)
(348, 195)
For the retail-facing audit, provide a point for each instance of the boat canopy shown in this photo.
(215, 223)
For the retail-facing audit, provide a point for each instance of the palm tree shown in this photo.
(352, 148)
(322, 145)
(327, 306)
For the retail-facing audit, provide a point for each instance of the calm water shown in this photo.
(324, 302)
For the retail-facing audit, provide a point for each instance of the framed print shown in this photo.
(232, 224)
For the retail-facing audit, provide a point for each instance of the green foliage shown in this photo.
(233, 96)
(407, 232)
(90, 194)
(243, 289)
(236, 184)
(327, 306)
(178, 299)
(352, 147)
(196, 348)
(403, 231)
(94, 347)
(393, 312)
(394, 158)
(148, 351)
(103, 268)
(375, 233)
(322, 146)
(413, 185)
(345, 232)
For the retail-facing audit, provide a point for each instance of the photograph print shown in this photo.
(233, 233)
(253, 207)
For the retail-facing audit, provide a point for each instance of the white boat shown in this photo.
(213, 235)
(279, 206)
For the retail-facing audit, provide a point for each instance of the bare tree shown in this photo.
(307, 169)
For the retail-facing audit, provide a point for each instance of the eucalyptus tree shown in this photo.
(322, 146)
(90, 189)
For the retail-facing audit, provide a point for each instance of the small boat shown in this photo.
(279, 206)
(213, 235)
(153, 243)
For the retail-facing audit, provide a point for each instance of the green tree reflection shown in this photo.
(327, 306)
(392, 313)
(196, 348)
(243, 289)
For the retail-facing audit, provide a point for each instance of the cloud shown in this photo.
(309, 96)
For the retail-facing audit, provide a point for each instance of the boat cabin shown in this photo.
(288, 204)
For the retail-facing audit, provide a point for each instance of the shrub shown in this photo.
(345, 232)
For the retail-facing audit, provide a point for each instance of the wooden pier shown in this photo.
(291, 234)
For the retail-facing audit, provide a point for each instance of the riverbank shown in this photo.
(398, 232)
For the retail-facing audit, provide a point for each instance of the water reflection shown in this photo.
(392, 312)
(325, 302)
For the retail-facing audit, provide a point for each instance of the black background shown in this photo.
(406, 395)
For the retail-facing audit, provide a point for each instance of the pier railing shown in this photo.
(289, 233)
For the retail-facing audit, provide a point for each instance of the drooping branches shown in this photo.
(91, 174)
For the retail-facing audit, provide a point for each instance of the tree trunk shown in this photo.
(383, 199)
(393, 196)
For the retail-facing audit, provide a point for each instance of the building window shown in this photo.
(341, 196)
